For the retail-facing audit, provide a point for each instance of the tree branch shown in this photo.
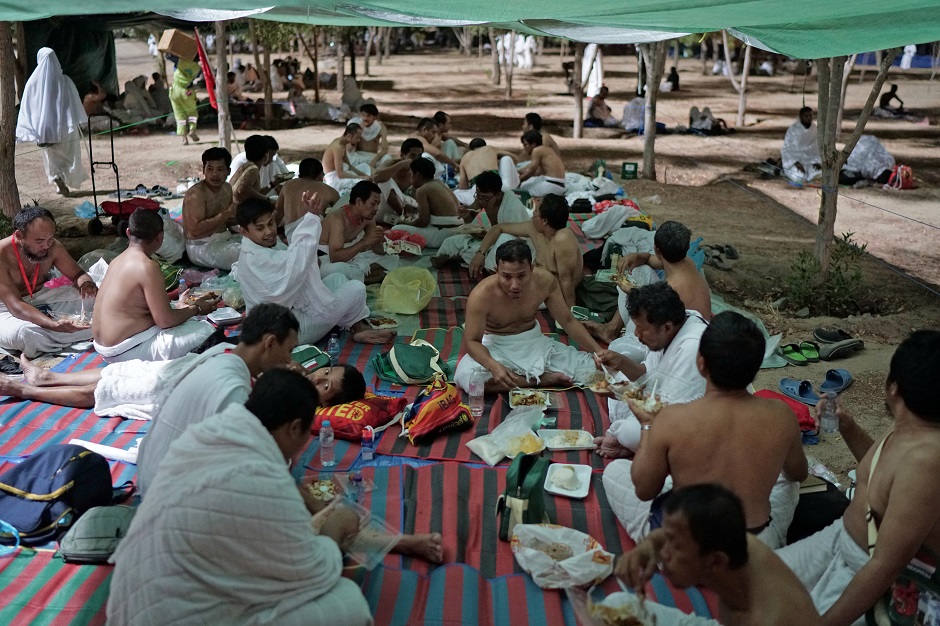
(880, 79)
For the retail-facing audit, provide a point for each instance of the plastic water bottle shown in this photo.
(327, 453)
(477, 382)
(332, 348)
(828, 420)
(357, 490)
(368, 444)
(821, 471)
(181, 298)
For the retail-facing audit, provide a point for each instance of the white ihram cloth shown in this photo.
(128, 389)
(869, 158)
(677, 360)
(158, 344)
(33, 340)
(190, 389)
(267, 173)
(634, 513)
(223, 537)
(290, 276)
(219, 250)
(369, 133)
(826, 563)
(344, 185)
(594, 71)
(511, 211)
(51, 114)
(529, 354)
(800, 145)
(539, 186)
(440, 228)
(386, 213)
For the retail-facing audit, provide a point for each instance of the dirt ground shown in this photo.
(702, 182)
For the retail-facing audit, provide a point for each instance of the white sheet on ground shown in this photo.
(223, 537)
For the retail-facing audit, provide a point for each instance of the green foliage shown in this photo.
(838, 294)
(6, 226)
(275, 35)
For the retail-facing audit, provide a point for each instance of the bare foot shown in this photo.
(428, 547)
(609, 448)
(444, 261)
(603, 332)
(33, 374)
(60, 186)
(555, 379)
(194, 137)
(374, 336)
(11, 387)
(374, 277)
(185, 140)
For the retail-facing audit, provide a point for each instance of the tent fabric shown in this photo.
(799, 28)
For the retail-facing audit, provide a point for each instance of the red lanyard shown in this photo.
(354, 222)
(29, 287)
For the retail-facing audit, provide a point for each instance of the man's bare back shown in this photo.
(121, 310)
(439, 199)
(333, 158)
(692, 287)
(740, 442)
(547, 162)
(549, 142)
(477, 161)
(290, 200)
(201, 207)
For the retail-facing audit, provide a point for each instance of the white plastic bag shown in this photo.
(589, 562)
(492, 447)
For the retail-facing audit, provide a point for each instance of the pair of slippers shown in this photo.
(713, 256)
(836, 343)
(837, 380)
(799, 353)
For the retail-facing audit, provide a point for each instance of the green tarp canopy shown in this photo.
(799, 28)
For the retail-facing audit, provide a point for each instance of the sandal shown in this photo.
(810, 351)
(800, 390)
(837, 381)
(840, 350)
(831, 335)
(791, 354)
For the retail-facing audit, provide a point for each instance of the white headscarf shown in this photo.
(50, 109)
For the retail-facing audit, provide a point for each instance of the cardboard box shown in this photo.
(178, 43)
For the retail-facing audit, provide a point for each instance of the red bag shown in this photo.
(902, 177)
(800, 410)
(350, 419)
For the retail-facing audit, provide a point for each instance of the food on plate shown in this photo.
(617, 613)
(526, 444)
(210, 295)
(557, 550)
(527, 398)
(322, 490)
(600, 385)
(382, 322)
(566, 478)
(649, 402)
(571, 439)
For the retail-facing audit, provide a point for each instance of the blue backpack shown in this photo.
(43, 496)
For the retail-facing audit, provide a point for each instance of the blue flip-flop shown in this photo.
(800, 390)
(836, 380)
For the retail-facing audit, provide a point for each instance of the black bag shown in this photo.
(44, 495)
(582, 205)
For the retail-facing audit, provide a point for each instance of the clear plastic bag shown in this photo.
(407, 290)
(493, 447)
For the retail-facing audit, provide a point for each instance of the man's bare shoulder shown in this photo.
(484, 288)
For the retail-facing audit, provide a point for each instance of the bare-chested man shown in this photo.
(703, 541)
(750, 445)
(426, 133)
(556, 248)
(438, 209)
(672, 334)
(351, 242)
(373, 145)
(502, 340)
(290, 205)
(207, 213)
(545, 172)
(533, 121)
(34, 319)
(671, 246)
(338, 172)
(449, 145)
(133, 317)
(854, 563)
(483, 158)
(246, 180)
(393, 180)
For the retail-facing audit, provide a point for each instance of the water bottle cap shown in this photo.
(326, 423)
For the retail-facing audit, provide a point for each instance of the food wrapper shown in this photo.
(542, 551)
(492, 448)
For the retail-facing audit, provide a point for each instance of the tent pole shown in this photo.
(578, 91)
(221, 85)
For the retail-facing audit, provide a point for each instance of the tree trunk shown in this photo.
(20, 60)
(221, 85)
(849, 66)
(640, 73)
(370, 35)
(388, 42)
(731, 72)
(340, 66)
(703, 57)
(264, 70)
(313, 59)
(654, 55)
(9, 193)
(351, 42)
(830, 91)
(497, 62)
(742, 101)
(510, 63)
(480, 45)
(578, 90)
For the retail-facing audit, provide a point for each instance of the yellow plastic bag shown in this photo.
(406, 290)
